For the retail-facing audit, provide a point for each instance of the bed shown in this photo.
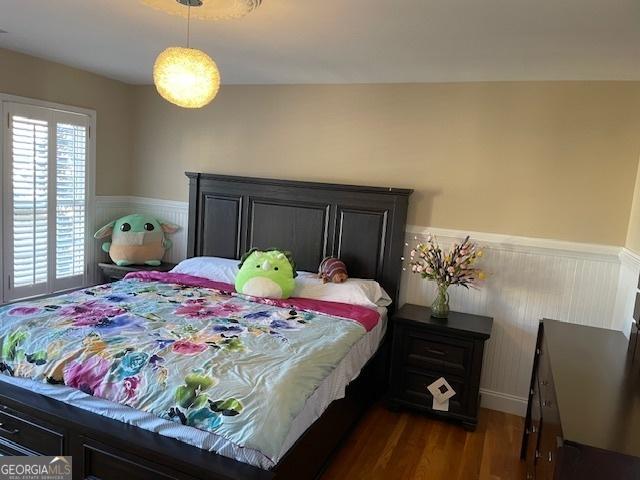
(227, 216)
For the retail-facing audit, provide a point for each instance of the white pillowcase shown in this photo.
(212, 268)
(356, 291)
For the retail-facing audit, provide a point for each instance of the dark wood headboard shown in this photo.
(364, 226)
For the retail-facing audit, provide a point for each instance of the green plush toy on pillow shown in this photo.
(266, 273)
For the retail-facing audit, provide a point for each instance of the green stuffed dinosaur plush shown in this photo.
(136, 240)
(266, 273)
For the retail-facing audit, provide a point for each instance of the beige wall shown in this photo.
(35, 78)
(545, 159)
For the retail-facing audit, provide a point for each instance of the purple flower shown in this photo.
(200, 308)
(90, 313)
(257, 315)
(156, 361)
(24, 310)
(116, 297)
(284, 325)
(119, 323)
(233, 329)
(86, 376)
(164, 342)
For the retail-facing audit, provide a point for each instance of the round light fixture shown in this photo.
(186, 77)
(211, 10)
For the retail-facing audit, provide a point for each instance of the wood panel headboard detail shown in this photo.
(364, 226)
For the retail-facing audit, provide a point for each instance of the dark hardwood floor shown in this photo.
(402, 445)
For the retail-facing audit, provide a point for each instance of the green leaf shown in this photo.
(229, 407)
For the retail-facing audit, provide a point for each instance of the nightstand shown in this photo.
(112, 272)
(426, 348)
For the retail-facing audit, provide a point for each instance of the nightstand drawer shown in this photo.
(413, 389)
(437, 352)
(426, 348)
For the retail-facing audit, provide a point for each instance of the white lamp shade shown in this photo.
(186, 77)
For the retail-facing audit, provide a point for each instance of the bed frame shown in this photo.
(228, 215)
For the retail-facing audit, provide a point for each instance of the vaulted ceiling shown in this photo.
(343, 41)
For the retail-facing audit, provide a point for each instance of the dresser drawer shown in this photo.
(101, 462)
(29, 434)
(548, 450)
(437, 352)
(413, 389)
(532, 432)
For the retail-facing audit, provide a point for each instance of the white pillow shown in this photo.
(356, 291)
(212, 268)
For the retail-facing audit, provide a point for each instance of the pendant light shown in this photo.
(212, 10)
(186, 77)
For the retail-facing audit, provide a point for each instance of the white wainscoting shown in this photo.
(529, 279)
(111, 208)
(627, 288)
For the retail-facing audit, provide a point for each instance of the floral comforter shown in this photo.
(199, 356)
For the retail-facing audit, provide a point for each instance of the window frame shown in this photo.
(90, 249)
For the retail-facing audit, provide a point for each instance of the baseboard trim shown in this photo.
(503, 402)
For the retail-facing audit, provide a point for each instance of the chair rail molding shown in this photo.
(528, 279)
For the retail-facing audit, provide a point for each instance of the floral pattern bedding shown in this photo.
(206, 358)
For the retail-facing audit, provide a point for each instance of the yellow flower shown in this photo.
(479, 253)
(482, 275)
(94, 344)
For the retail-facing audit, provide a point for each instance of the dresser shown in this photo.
(583, 413)
(425, 348)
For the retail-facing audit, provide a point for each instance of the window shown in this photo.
(46, 199)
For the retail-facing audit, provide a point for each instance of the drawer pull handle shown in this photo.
(546, 403)
(544, 383)
(7, 431)
(550, 458)
(433, 351)
(537, 454)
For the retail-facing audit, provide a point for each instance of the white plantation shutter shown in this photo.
(30, 178)
(45, 200)
(71, 146)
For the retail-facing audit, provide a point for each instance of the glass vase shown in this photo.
(440, 306)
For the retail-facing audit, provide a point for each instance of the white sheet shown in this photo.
(332, 388)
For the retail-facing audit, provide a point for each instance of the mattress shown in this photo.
(332, 388)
